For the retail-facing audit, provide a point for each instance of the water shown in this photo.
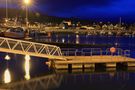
(17, 69)
(87, 39)
(114, 80)
(98, 81)
(124, 42)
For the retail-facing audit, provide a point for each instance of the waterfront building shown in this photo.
(104, 27)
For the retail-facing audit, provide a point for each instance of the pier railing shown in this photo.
(94, 51)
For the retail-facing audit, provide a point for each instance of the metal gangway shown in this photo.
(30, 48)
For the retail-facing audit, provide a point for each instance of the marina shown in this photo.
(77, 59)
(67, 45)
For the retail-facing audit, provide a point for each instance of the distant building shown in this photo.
(65, 24)
(104, 27)
(110, 27)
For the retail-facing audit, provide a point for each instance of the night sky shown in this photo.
(91, 9)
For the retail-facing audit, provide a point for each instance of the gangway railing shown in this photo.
(31, 48)
(94, 51)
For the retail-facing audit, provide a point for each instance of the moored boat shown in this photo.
(15, 33)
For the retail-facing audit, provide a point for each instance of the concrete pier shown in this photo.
(110, 65)
(84, 62)
(131, 64)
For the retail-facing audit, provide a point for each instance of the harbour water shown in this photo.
(123, 42)
(122, 79)
(98, 81)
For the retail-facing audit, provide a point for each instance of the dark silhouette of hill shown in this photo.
(38, 16)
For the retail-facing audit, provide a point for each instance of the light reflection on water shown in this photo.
(17, 70)
(27, 67)
(87, 39)
(77, 79)
(98, 81)
(124, 42)
(7, 76)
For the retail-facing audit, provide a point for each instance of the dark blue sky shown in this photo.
(95, 9)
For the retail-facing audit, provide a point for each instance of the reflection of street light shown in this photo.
(7, 76)
(7, 57)
(26, 2)
(27, 67)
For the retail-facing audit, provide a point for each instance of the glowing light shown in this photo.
(27, 2)
(77, 39)
(63, 40)
(27, 67)
(7, 76)
(27, 57)
(6, 20)
(112, 49)
(7, 57)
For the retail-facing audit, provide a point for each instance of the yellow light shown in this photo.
(27, 67)
(27, 57)
(27, 2)
(6, 20)
(7, 76)
(7, 57)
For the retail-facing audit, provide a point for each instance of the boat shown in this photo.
(15, 33)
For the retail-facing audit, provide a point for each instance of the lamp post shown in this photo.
(26, 2)
(6, 9)
(6, 18)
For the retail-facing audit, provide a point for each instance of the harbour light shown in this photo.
(77, 39)
(63, 40)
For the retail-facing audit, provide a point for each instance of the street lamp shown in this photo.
(27, 2)
(6, 18)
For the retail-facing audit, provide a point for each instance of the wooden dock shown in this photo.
(78, 62)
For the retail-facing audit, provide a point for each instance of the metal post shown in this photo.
(26, 16)
(6, 9)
